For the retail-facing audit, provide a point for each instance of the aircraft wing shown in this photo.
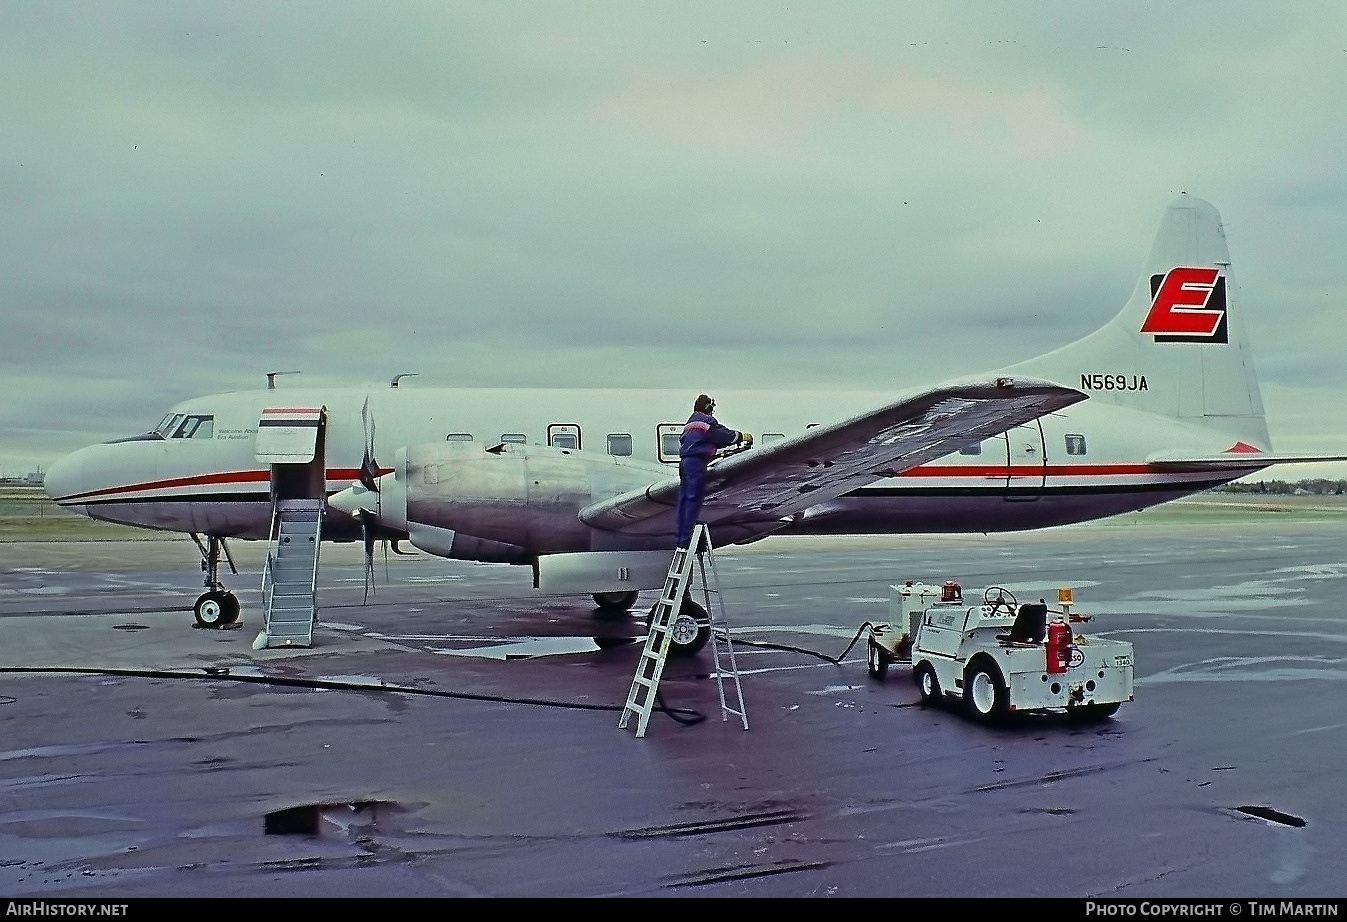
(754, 493)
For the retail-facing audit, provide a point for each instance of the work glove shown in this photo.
(747, 439)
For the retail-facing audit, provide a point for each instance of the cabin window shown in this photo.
(770, 437)
(973, 449)
(458, 437)
(514, 438)
(1075, 444)
(670, 435)
(619, 444)
(563, 435)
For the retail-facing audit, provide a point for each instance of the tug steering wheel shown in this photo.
(1003, 598)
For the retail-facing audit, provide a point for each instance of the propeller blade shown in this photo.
(369, 468)
(368, 523)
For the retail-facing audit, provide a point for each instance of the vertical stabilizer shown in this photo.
(1178, 347)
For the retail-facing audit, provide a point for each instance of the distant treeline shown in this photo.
(1313, 487)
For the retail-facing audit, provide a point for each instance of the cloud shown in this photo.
(664, 194)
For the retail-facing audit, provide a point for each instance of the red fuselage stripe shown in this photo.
(981, 472)
(199, 480)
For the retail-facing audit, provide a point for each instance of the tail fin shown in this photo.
(1177, 349)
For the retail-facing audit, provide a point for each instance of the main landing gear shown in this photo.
(689, 632)
(217, 606)
(614, 603)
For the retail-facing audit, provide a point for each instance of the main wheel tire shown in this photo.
(614, 602)
(690, 630)
(928, 686)
(985, 695)
(212, 608)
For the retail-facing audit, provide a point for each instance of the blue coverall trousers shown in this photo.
(691, 492)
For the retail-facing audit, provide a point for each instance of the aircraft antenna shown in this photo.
(271, 378)
(397, 378)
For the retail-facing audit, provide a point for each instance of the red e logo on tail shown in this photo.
(1187, 305)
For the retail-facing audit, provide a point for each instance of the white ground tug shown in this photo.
(1000, 657)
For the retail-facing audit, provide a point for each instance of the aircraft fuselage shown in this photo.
(198, 473)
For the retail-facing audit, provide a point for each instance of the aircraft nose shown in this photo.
(64, 481)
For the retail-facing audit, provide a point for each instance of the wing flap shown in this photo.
(756, 492)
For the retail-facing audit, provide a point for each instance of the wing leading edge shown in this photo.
(755, 493)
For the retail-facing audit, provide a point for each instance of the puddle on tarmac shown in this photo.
(1250, 669)
(349, 819)
(527, 648)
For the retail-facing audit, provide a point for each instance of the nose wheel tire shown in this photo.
(216, 608)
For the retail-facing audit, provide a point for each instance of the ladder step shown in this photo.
(292, 614)
(289, 624)
(291, 593)
(650, 667)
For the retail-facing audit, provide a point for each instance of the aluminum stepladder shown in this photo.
(645, 684)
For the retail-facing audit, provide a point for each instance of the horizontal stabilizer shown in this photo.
(1232, 461)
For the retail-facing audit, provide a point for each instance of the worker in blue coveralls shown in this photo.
(702, 436)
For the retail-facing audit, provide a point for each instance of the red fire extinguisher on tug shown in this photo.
(1059, 645)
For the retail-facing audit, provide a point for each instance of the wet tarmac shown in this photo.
(458, 735)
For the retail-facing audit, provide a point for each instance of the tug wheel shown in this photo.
(985, 695)
(928, 686)
(877, 661)
(1090, 712)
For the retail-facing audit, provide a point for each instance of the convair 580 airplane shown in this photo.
(581, 486)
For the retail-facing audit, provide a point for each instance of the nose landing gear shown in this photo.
(217, 607)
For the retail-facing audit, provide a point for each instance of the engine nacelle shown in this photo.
(444, 542)
(524, 496)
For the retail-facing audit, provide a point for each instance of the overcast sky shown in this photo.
(685, 194)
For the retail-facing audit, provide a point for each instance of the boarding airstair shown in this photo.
(677, 588)
(290, 577)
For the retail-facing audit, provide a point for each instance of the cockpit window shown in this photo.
(170, 423)
(196, 427)
(186, 426)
